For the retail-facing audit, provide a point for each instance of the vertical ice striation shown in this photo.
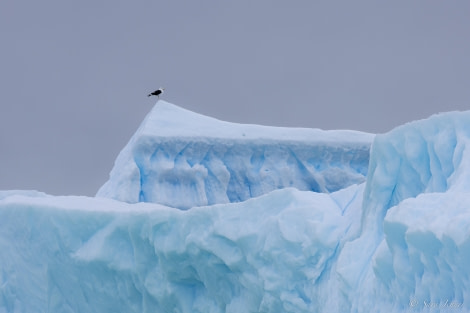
(415, 216)
(183, 159)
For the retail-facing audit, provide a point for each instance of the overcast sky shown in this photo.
(74, 75)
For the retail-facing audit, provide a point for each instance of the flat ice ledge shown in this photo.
(168, 120)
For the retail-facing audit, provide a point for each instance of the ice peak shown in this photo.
(167, 119)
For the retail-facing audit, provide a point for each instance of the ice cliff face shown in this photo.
(182, 159)
(399, 242)
(274, 253)
(416, 212)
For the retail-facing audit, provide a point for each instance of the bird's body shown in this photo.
(157, 92)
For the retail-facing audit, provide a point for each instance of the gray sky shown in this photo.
(74, 75)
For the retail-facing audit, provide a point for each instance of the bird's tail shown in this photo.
(149, 95)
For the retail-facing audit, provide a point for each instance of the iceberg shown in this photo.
(201, 215)
(183, 159)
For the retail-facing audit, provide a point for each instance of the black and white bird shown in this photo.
(157, 93)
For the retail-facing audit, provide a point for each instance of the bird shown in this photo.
(157, 92)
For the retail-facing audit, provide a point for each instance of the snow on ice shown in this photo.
(273, 220)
